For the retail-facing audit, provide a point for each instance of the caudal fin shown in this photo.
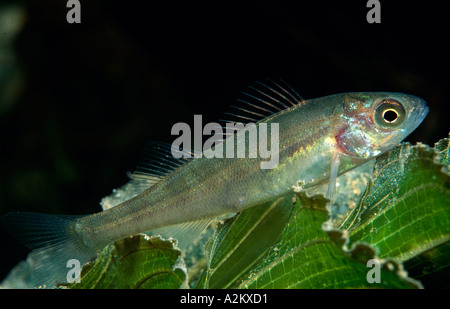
(53, 241)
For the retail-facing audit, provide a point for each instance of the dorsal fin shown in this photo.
(264, 100)
(156, 162)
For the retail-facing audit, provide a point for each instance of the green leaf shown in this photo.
(303, 256)
(405, 211)
(442, 147)
(406, 208)
(432, 267)
(241, 242)
(134, 262)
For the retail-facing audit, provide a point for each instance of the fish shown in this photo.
(318, 140)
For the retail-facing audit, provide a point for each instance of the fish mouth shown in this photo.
(424, 113)
(418, 118)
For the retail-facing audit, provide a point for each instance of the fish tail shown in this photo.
(54, 242)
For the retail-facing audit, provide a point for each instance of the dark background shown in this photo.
(92, 94)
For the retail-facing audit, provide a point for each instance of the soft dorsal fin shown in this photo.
(264, 100)
(156, 162)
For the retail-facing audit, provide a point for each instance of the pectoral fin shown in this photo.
(331, 192)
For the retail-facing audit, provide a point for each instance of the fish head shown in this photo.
(370, 124)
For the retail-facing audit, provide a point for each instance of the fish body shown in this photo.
(318, 140)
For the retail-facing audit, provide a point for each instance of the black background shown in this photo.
(94, 93)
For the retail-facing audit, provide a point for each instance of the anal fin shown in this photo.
(186, 234)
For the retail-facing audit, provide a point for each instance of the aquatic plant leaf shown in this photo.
(304, 256)
(240, 242)
(405, 212)
(442, 147)
(406, 208)
(432, 267)
(134, 262)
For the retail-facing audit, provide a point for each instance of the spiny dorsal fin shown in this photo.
(264, 100)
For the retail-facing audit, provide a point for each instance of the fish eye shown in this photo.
(390, 113)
